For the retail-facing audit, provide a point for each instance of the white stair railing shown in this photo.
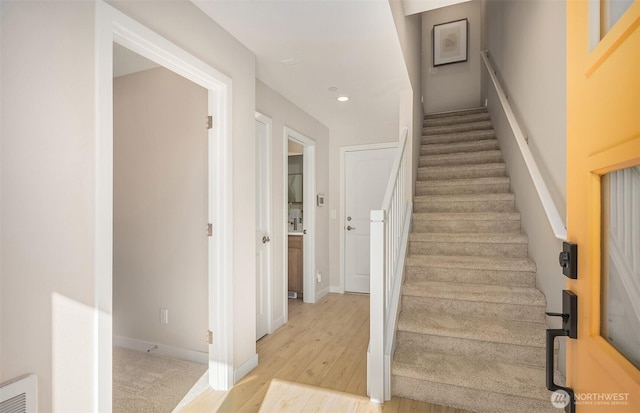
(559, 230)
(389, 236)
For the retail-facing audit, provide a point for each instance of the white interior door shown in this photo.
(263, 223)
(366, 176)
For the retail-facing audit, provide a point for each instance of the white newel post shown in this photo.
(375, 372)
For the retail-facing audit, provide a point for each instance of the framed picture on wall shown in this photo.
(450, 42)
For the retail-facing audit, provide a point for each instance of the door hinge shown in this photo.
(210, 230)
(209, 122)
(209, 337)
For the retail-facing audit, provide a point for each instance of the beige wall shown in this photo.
(526, 41)
(47, 294)
(454, 86)
(409, 29)
(284, 113)
(47, 302)
(160, 209)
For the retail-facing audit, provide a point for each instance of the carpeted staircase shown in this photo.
(471, 332)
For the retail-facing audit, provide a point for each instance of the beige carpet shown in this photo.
(145, 382)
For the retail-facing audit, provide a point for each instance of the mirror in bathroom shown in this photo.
(295, 188)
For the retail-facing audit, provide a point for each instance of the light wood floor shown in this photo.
(324, 345)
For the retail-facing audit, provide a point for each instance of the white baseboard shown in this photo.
(245, 368)
(276, 324)
(162, 349)
(321, 293)
(336, 289)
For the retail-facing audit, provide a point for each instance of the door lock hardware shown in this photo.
(350, 228)
(568, 259)
(265, 239)
(569, 329)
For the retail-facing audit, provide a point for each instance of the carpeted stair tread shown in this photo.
(469, 203)
(465, 198)
(461, 220)
(474, 328)
(462, 262)
(488, 350)
(486, 375)
(467, 216)
(456, 113)
(474, 135)
(471, 330)
(494, 184)
(465, 158)
(457, 127)
(462, 171)
(453, 120)
(458, 147)
(486, 238)
(500, 294)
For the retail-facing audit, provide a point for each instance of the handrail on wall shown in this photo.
(559, 230)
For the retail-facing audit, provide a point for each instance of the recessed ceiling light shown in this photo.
(289, 62)
(343, 98)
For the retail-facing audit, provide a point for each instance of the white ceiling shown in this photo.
(350, 45)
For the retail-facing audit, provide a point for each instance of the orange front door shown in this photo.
(603, 136)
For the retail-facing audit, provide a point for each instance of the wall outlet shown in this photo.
(319, 277)
(334, 214)
(164, 316)
(486, 103)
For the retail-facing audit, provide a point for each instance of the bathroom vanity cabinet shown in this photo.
(295, 264)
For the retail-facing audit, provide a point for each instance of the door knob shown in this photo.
(265, 239)
(350, 228)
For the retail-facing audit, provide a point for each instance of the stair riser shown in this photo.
(494, 277)
(506, 353)
(461, 173)
(459, 137)
(458, 160)
(454, 128)
(513, 312)
(474, 206)
(455, 114)
(479, 401)
(468, 248)
(431, 188)
(464, 226)
(456, 120)
(484, 145)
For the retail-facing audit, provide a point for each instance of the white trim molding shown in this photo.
(309, 220)
(114, 26)
(161, 349)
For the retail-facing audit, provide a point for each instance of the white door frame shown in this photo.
(309, 215)
(343, 159)
(266, 157)
(114, 26)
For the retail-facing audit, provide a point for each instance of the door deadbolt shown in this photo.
(348, 218)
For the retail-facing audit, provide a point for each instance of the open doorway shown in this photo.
(114, 27)
(160, 203)
(300, 198)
